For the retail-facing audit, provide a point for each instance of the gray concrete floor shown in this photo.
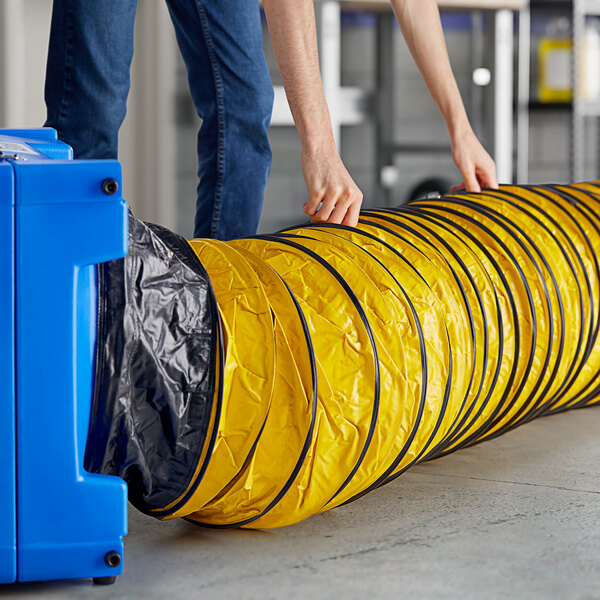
(515, 517)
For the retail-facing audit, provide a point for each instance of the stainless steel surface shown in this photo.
(523, 95)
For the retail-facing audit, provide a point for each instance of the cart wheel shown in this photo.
(429, 186)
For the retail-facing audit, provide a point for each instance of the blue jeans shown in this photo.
(87, 83)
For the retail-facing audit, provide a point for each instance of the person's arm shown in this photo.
(420, 23)
(293, 34)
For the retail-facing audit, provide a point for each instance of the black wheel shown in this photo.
(105, 580)
(429, 186)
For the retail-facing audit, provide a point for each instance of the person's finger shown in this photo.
(339, 212)
(471, 182)
(487, 177)
(315, 198)
(352, 215)
(327, 207)
(460, 186)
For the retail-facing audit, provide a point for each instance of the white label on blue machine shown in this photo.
(17, 148)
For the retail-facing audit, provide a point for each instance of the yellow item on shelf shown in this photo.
(554, 83)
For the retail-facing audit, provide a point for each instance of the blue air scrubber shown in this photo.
(58, 219)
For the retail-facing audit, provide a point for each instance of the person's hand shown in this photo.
(476, 165)
(330, 187)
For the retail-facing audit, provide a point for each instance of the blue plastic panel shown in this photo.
(42, 140)
(8, 542)
(68, 519)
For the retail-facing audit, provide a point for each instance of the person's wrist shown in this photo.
(459, 130)
(314, 144)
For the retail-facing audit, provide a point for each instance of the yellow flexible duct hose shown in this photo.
(351, 354)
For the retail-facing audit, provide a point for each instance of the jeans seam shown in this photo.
(220, 93)
(68, 76)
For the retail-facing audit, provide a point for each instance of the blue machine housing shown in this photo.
(57, 221)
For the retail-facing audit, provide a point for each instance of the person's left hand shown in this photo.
(476, 165)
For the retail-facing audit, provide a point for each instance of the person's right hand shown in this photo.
(333, 195)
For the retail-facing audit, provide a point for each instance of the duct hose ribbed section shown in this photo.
(260, 381)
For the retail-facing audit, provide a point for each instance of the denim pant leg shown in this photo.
(221, 43)
(87, 75)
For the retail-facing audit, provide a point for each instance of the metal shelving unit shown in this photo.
(581, 109)
(578, 11)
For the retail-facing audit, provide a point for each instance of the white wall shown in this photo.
(147, 139)
(147, 136)
(24, 32)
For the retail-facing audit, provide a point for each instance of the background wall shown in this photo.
(24, 31)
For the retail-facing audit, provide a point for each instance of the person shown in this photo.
(87, 83)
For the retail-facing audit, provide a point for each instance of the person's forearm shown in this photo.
(293, 34)
(422, 29)
(420, 23)
(332, 194)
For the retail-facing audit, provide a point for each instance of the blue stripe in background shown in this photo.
(451, 21)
